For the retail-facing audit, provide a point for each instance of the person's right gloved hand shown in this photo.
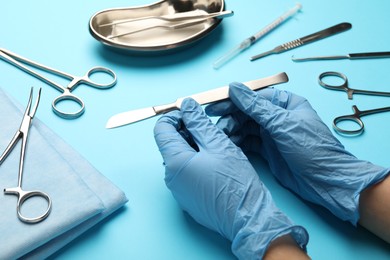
(301, 151)
(214, 182)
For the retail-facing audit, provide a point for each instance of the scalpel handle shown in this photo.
(222, 93)
(203, 98)
(341, 27)
(369, 55)
(305, 40)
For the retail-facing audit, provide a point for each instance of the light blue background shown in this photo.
(152, 226)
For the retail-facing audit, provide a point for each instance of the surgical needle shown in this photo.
(252, 39)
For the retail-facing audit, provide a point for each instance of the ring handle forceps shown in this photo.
(344, 85)
(355, 118)
(24, 195)
(17, 61)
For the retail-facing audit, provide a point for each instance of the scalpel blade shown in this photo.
(130, 117)
(202, 98)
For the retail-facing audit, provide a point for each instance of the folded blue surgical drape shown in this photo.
(81, 196)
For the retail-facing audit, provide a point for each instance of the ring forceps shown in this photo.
(17, 61)
(355, 118)
(357, 114)
(24, 195)
(344, 85)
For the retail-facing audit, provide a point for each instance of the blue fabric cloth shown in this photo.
(81, 196)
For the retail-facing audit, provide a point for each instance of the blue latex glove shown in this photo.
(301, 151)
(214, 182)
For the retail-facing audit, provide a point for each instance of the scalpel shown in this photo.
(305, 40)
(202, 98)
(351, 56)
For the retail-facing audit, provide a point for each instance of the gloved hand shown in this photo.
(301, 151)
(214, 182)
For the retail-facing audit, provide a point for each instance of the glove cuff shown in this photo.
(249, 245)
(339, 191)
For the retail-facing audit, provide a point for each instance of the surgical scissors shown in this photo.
(355, 118)
(24, 195)
(17, 61)
(344, 85)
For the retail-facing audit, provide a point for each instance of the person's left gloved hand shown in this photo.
(214, 182)
(300, 149)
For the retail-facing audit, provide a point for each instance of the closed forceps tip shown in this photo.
(19, 61)
(23, 195)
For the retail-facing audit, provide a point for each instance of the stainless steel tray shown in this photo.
(111, 26)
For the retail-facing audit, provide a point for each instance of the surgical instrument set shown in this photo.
(350, 56)
(357, 114)
(305, 40)
(23, 195)
(203, 98)
(254, 38)
(19, 61)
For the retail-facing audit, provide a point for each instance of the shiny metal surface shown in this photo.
(351, 56)
(74, 81)
(202, 98)
(107, 25)
(356, 119)
(341, 27)
(24, 195)
(344, 86)
(357, 114)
